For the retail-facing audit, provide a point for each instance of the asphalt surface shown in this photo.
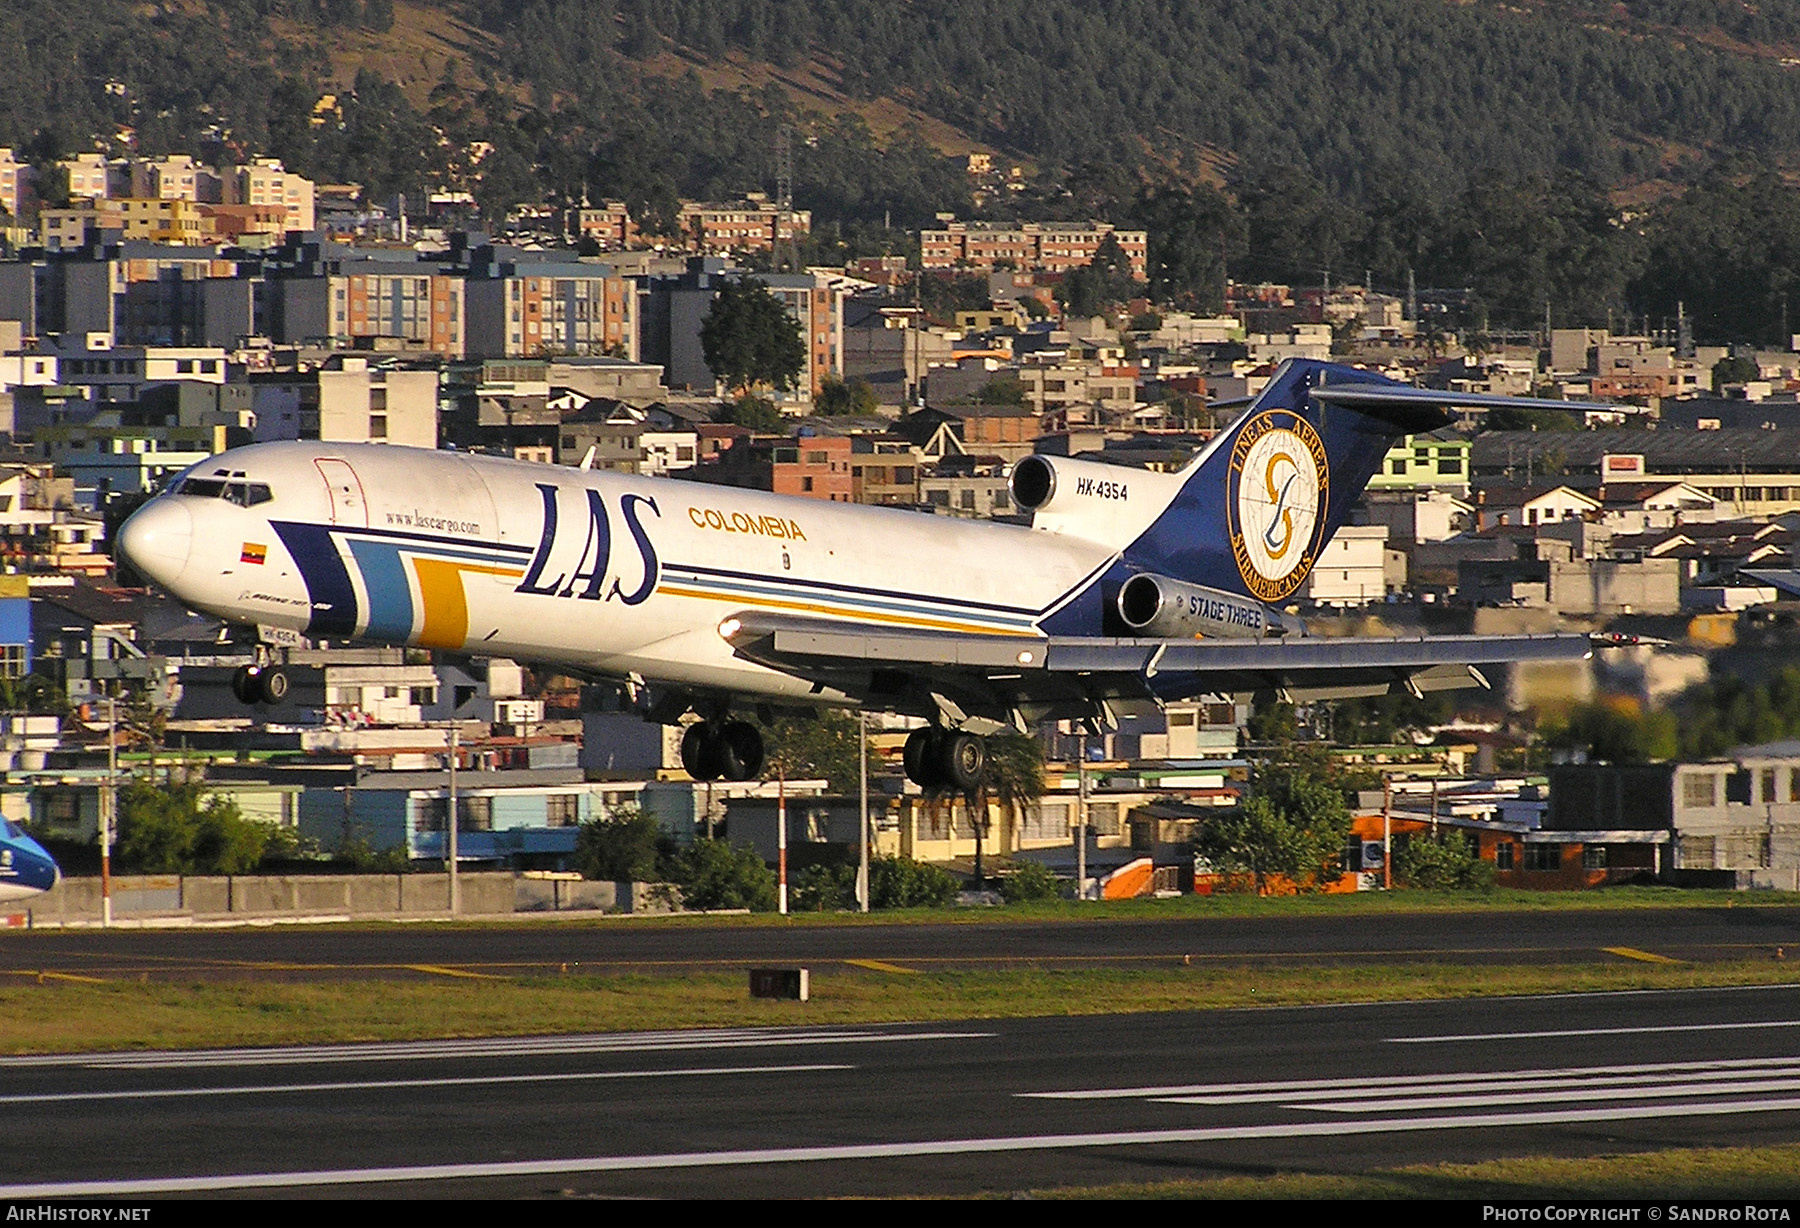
(426, 950)
(915, 1109)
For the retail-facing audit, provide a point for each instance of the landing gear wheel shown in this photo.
(700, 752)
(920, 757)
(740, 750)
(961, 758)
(272, 685)
(243, 684)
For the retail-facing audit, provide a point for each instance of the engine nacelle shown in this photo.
(1110, 504)
(1158, 607)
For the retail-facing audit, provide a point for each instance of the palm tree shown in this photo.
(1015, 776)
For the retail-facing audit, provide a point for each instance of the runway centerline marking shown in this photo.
(861, 1151)
(876, 965)
(441, 970)
(1648, 1029)
(1647, 957)
(363, 1085)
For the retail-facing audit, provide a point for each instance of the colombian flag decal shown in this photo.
(254, 553)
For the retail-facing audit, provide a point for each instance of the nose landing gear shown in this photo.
(729, 750)
(260, 684)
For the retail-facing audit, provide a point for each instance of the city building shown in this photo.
(1043, 247)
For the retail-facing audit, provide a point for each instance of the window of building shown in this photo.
(562, 810)
(378, 426)
(1593, 857)
(1700, 790)
(1504, 853)
(1543, 856)
(1766, 784)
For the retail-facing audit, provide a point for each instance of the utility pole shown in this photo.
(110, 809)
(862, 864)
(1081, 817)
(450, 826)
(781, 834)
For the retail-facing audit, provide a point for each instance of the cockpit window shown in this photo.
(244, 494)
(10, 828)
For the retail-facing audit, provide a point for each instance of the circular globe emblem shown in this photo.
(1279, 483)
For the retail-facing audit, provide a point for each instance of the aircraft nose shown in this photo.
(157, 540)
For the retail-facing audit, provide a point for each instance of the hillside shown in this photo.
(1357, 92)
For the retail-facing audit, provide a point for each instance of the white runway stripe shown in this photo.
(1452, 1085)
(1641, 1031)
(1406, 1104)
(1280, 1088)
(527, 1046)
(158, 1093)
(860, 1151)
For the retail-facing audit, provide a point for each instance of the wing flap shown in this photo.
(774, 639)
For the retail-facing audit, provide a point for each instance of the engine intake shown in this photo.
(1158, 607)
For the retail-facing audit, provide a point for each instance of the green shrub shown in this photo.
(821, 888)
(622, 846)
(714, 874)
(1443, 865)
(901, 882)
(1026, 881)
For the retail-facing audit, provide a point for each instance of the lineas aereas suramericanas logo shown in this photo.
(1280, 482)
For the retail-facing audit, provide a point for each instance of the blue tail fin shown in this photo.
(1257, 508)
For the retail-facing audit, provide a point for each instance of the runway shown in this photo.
(1481, 936)
(915, 1109)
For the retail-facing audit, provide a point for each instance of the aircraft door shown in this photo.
(345, 490)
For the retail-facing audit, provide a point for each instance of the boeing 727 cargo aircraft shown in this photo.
(1129, 588)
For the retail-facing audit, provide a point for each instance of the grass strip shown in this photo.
(1361, 903)
(60, 1016)
(1737, 1173)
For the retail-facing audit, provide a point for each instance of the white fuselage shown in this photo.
(607, 573)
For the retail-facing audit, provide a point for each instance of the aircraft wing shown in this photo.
(1039, 676)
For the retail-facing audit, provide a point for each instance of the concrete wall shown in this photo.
(173, 897)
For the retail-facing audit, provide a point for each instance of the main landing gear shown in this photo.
(729, 750)
(944, 759)
(260, 684)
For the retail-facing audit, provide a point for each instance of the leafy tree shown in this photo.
(750, 338)
(1001, 390)
(1733, 369)
(802, 747)
(755, 413)
(166, 830)
(1194, 235)
(839, 399)
(1449, 863)
(716, 874)
(1616, 729)
(623, 845)
(1103, 281)
(1293, 825)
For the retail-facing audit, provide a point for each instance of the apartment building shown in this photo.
(265, 182)
(1042, 247)
(526, 309)
(610, 226)
(754, 224)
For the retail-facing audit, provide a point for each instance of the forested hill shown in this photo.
(1354, 91)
